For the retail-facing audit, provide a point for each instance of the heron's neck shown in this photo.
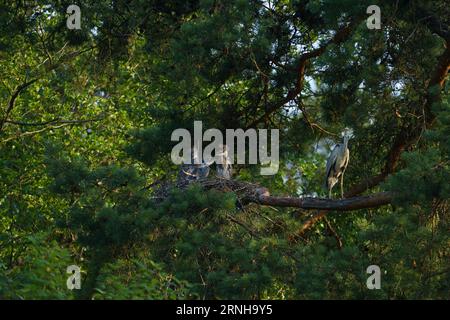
(345, 143)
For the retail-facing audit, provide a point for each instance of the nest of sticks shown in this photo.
(244, 191)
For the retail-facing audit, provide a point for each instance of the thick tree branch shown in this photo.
(308, 203)
(437, 81)
(248, 192)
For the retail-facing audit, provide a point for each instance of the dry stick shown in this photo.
(243, 225)
(334, 233)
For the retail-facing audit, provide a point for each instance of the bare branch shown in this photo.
(54, 121)
(12, 100)
(308, 203)
(30, 133)
(334, 233)
(248, 192)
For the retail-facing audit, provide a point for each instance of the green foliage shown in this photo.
(84, 145)
(39, 274)
(425, 241)
(138, 278)
(194, 237)
(333, 274)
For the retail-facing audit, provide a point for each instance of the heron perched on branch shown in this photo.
(336, 165)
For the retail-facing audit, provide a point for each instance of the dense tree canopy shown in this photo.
(86, 118)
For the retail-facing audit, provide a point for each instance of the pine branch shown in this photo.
(309, 203)
(340, 36)
(253, 193)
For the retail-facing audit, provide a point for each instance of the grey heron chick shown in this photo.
(195, 170)
(223, 166)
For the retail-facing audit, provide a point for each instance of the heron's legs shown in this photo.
(329, 193)
(342, 185)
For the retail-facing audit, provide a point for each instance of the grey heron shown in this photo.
(193, 171)
(336, 164)
(224, 169)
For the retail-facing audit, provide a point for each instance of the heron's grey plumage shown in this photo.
(336, 164)
(193, 171)
(223, 167)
